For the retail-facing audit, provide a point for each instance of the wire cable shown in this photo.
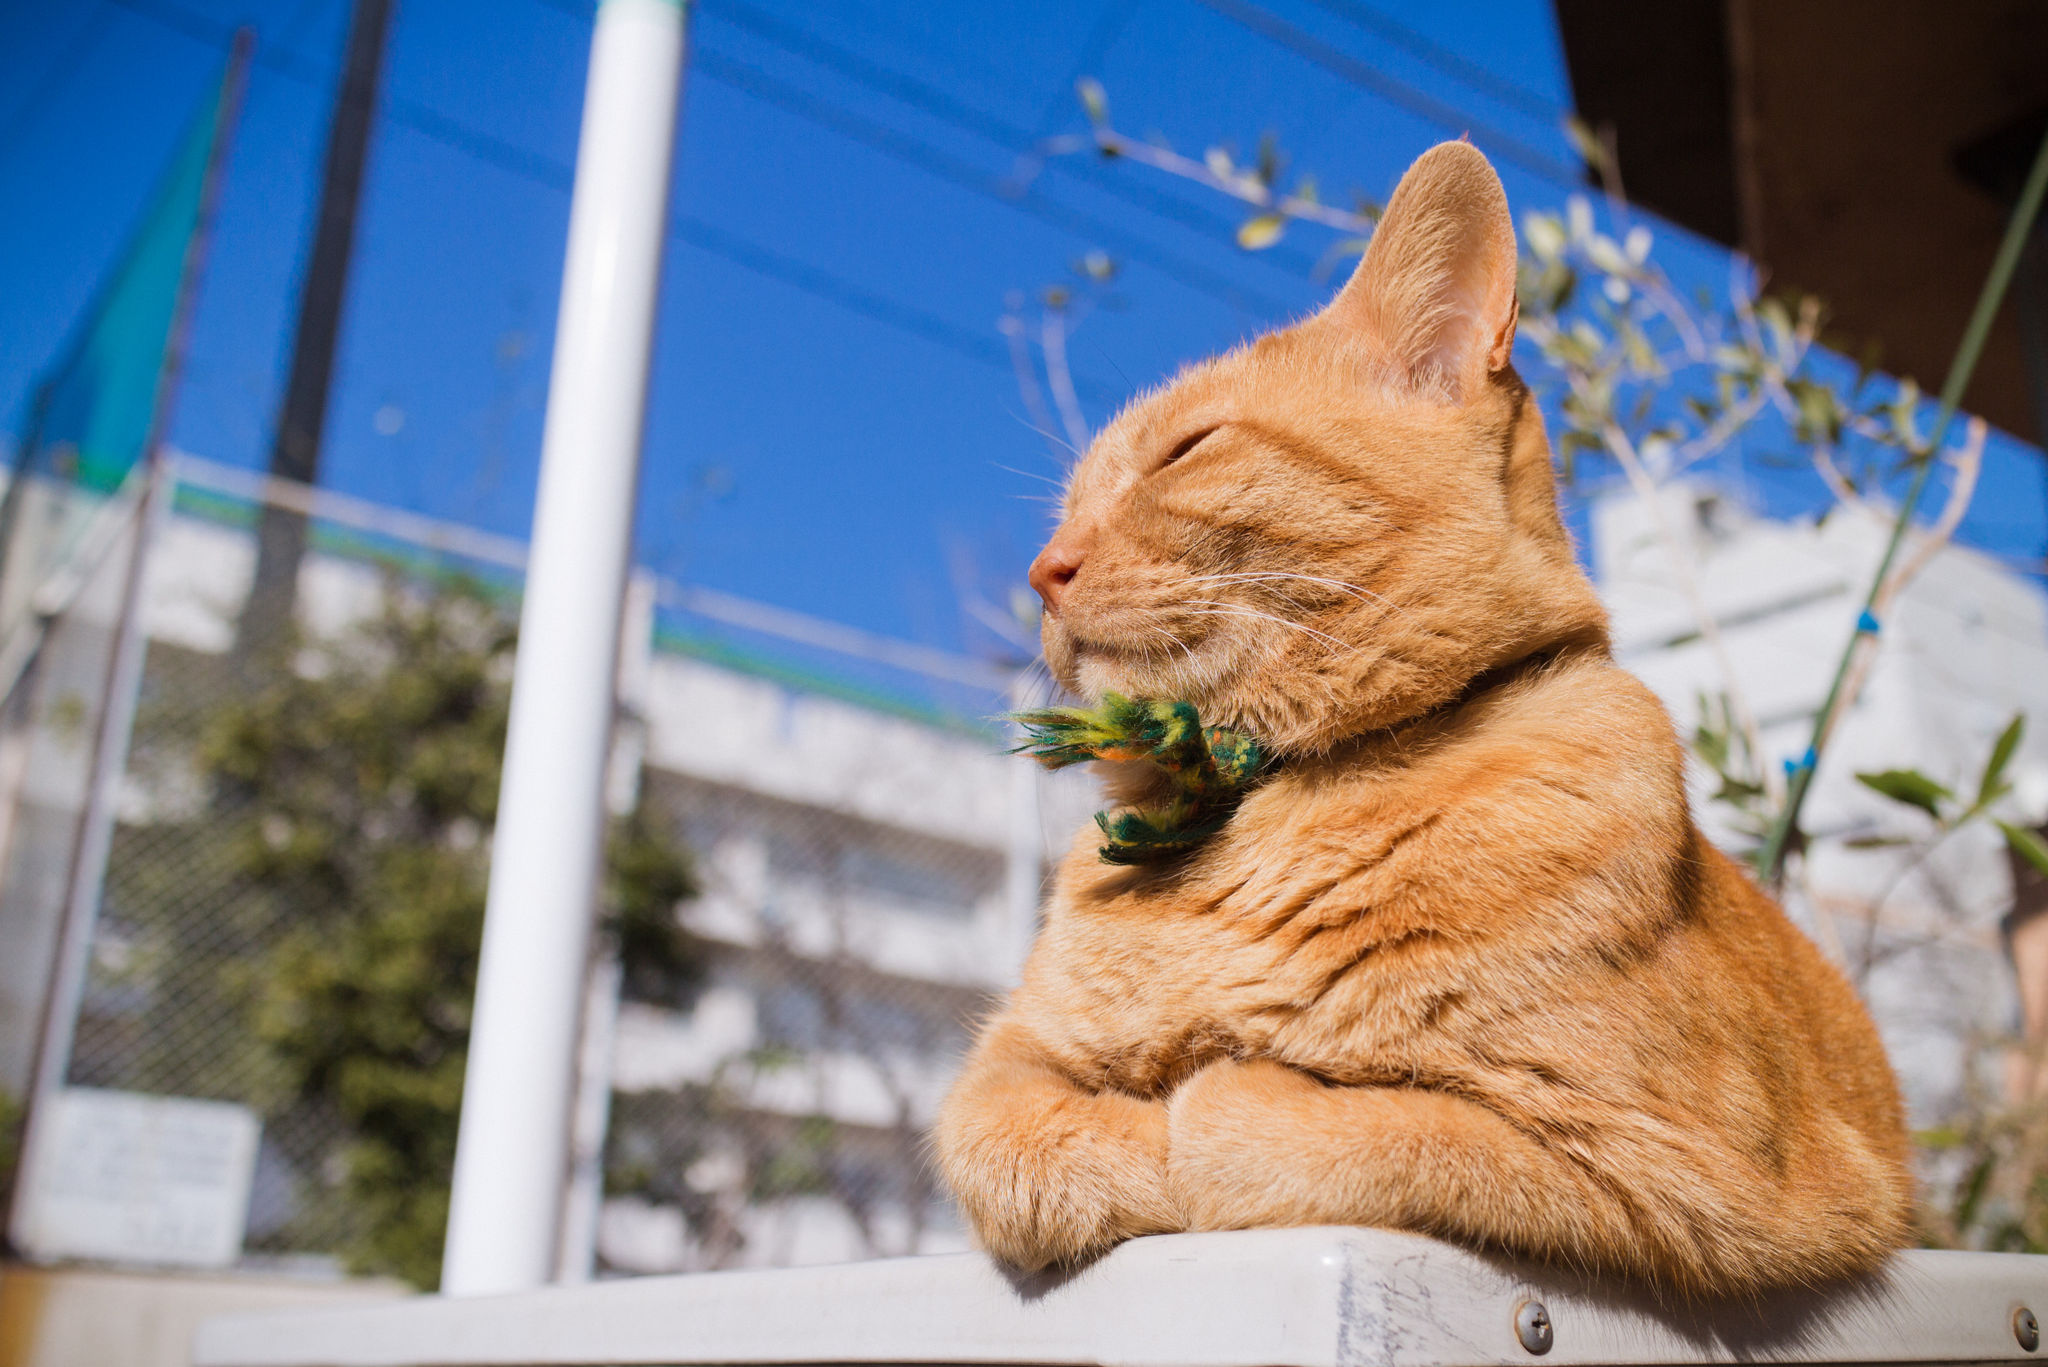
(546, 171)
(1424, 106)
(56, 76)
(942, 165)
(1467, 73)
(942, 106)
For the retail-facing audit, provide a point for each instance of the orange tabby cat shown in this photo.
(1463, 964)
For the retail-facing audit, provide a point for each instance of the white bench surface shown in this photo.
(1259, 1298)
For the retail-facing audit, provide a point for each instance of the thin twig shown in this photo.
(1245, 187)
(1052, 341)
(1042, 420)
(1625, 454)
(1968, 462)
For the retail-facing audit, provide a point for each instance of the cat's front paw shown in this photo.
(1057, 1184)
(1225, 1129)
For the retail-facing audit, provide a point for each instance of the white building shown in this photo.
(855, 868)
(1964, 649)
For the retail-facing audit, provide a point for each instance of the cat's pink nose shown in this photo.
(1056, 567)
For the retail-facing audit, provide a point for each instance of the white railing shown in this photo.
(1265, 1298)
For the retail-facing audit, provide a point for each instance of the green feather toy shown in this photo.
(1210, 769)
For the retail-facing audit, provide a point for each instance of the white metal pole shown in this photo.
(511, 1157)
(87, 881)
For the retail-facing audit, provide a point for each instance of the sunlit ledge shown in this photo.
(1268, 1298)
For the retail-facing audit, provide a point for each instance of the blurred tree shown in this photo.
(364, 785)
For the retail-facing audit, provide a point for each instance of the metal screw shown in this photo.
(1532, 1327)
(2026, 1328)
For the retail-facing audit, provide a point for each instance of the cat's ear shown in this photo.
(1434, 299)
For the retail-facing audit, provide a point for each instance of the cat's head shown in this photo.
(1341, 524)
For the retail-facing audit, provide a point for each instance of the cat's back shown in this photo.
(1820, 1012)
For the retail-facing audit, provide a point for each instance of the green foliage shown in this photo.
(1999, 1199)
(1911, 788)
(1991, 785)
(646, 875)
(1724, 747)
(364, 785)
(800, 1166)
(2026, 844)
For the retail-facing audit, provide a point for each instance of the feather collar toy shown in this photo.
(1210, 769)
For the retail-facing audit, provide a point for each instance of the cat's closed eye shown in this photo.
(1187, 444)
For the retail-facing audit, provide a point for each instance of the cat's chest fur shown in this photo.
(1398, 910)
(1143, 976)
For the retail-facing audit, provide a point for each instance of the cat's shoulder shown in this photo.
(1579, 704)
(1569, 743)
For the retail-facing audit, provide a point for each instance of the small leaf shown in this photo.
(1579, 217)
(1777, 321)
(1094, 99)
(1260, 232)
(1097, 265)
(1586, 143)
(2027, 844)
(2001, 754)
(1905, 406)
(1545, 234)
(1940, 1137)
(1909, 786)
(1875, 842)
(1606, 254)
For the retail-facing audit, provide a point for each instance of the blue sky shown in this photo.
(832, 428)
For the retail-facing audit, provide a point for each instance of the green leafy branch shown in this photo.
(1950, 812)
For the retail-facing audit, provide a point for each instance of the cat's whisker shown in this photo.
(1364, 595)
(1059, 484)
(1171, 642)
(1052, 437)
(1185, 648)
(1264, 576)
(1152, 621)
(1239, 610)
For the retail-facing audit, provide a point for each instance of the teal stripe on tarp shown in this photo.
(97, 405)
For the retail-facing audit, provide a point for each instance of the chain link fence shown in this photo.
(857, 851)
